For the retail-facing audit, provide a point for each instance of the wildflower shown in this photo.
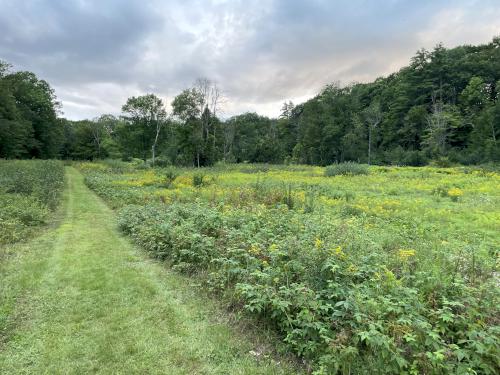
(254, 250)
(273, 247)
(338, 252)
(455, 193)
(352, 268)
(405, 254)
(318, 243)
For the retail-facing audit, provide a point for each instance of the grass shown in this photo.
(81, 299)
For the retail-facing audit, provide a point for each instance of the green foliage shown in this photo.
(28, 126)
(338, 305)
(441, 162)
(346, 169)
(445, 103)
(28, 191)
(367, 273)
(199, 179)
(176, 330)
(170, 176)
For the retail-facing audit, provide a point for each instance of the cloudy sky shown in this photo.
(97, 53)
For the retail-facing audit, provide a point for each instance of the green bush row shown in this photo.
(348, 168)
(29, 190)
(337, 299)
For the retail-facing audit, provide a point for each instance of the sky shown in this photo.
(97, 53)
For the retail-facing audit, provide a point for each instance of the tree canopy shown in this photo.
(444, 104)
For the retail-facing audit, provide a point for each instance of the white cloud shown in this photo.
(97, 54)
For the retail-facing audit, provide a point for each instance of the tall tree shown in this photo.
(148, 115)
(28, 116)
(373, 116)
(197, 108)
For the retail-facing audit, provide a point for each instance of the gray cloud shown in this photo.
(97, 53)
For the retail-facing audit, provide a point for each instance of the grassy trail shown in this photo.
(81, 299)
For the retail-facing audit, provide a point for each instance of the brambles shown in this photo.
(346, 169)
(28, 191)
(367, 274)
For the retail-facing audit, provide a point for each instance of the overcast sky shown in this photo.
(97, 53)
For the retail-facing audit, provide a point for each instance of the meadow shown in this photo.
(359, 269)
(29, 192)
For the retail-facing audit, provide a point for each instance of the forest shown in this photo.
(443, 107)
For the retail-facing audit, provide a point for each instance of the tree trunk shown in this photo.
(369, 145)
(153, 147)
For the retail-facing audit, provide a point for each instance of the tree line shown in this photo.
(443, 106)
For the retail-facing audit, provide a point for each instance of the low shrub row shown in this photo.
(347, 168)
(29, 190)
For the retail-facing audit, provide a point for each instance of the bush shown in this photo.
(162, 162)
(43, 179)
(29, 190)
(442, 162)
(170, 176)
(116, 166)
(346, 169)
(198, 179)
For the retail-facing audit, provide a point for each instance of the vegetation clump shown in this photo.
(170, 176)
(199, 179)
(29, 190)
(346, 169)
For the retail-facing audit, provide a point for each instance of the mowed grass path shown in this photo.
(81, 299)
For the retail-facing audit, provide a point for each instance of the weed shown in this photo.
(346, 169)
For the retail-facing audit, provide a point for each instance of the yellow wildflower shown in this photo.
(405, 254)
(455, 193)
(254, 250)
(318, 243)
(338, 252)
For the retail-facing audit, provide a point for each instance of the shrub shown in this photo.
(43, 179)
(170, 176)
(441, 162)
(198, 179)
(116, 166)
(346, 169)
(162, 162)
(30, 189)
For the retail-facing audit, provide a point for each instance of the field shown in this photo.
(29, 191)
(388, 266)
